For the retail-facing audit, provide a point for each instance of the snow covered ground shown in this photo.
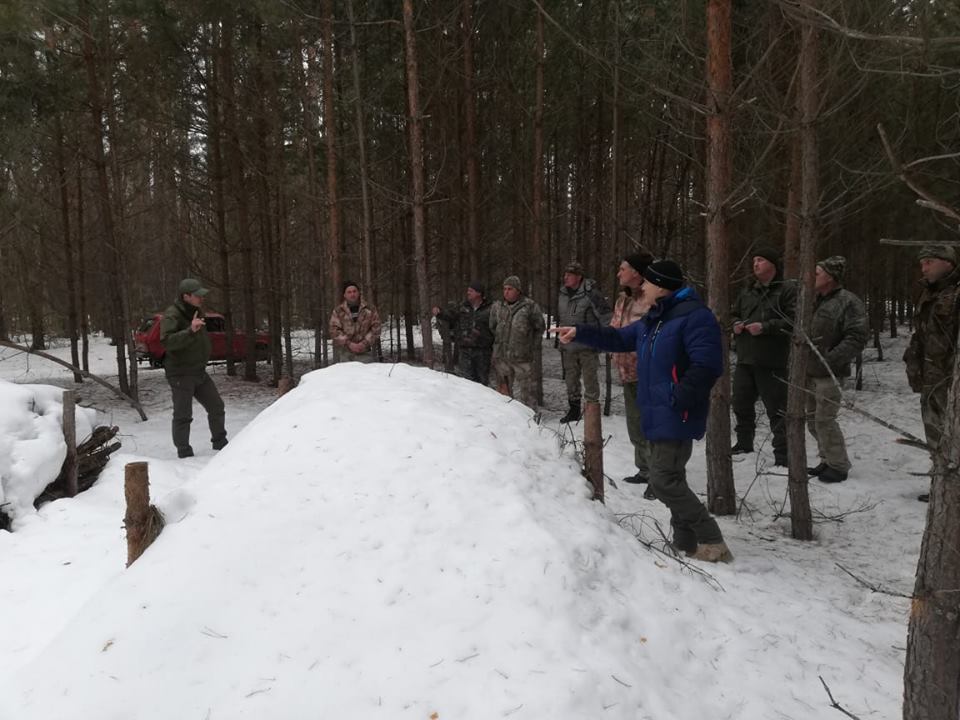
(392, 542)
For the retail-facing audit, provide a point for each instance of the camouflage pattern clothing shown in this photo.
(929, 357)
(762, 360)
(360, 325)
(628, 310)
(839, 332)
(583, 305)
(516, 328)
(471, 332)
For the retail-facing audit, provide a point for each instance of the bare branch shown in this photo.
(927, 200)
(22, 348)
(834, 703)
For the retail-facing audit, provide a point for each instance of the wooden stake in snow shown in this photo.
(593, 448)
(70, 437)
(142, 521)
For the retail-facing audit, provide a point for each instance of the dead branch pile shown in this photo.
(92, 456)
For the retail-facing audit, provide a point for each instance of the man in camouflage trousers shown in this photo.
(762, 326)
(580, 302)
(929, 357)
(839, 332)
(354, 327)
(470, 325)
(517, 325)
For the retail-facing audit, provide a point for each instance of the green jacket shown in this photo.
(773, 306)
(929, 357)
(471, 326)
(187, 352)
(839, 331)
(516, 329)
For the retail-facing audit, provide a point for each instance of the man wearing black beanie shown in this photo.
(679, 358)
(762, 325)
(470, 325)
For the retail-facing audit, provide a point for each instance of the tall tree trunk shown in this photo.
(470, 118)
(116, 284)
(369, 288)
(330, 137)
(69, 269)
(721, 491)
(791, 255)
(82, 268)
(415, 127)
(537, 286)
(801, 520)
(931, 677)
(217, 175)
(231, 121)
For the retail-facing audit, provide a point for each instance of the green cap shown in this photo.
(193, 287)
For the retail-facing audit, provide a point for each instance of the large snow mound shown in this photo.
(32, 448)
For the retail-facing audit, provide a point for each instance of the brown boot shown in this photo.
(713, 552)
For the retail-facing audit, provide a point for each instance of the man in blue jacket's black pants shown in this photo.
(679, 358)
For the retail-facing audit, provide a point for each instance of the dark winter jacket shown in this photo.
(516, 329)
(772, 305)
(187, 352)
(929, 357)
(470, 325)
(839, 330)
(582, 305)
(679, 358)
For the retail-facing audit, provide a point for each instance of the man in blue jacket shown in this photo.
(679, 358)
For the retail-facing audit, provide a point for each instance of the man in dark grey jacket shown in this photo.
(762, 325)
(183, 332)
(839, 332)
(580, 303)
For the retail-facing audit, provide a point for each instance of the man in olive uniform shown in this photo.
(839, 332)
(517, 325)
(929, 357)
(470, 324)
(580, 302)
(183, 333)
(762, 324)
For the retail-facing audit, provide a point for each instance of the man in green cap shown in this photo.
(839, 333)
(517, 325)
(929, 357)
(183, 333)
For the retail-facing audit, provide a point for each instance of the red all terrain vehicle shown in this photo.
(147, 338)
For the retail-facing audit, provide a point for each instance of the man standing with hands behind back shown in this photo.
(183, 333)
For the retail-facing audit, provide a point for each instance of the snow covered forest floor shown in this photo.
(391, 542)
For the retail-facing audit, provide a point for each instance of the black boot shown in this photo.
(573, 414)
(742, 447)
(832, 475)
(638, 479)
(817, 471)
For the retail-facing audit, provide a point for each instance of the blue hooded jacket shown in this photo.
(679, 358)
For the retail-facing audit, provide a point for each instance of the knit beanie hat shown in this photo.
(665, 274)
(478, 287)
(771, 254)
(514, 282)
(348, 283)
(944, 252)
(835, 266)
(639, 261)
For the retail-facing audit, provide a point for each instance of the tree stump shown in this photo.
(142, 521)
(593, 448)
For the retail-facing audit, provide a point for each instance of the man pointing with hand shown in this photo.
(679, 358)
(183, 333)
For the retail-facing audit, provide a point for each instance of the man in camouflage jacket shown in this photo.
(839, 332)
(762, 325)
(470, 325)
(354, 327)
(517, 325)
(929, 357)
(580, 302)
(183, 334)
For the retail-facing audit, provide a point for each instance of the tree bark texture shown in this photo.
(142, 521)
(593, 448)
(801, 519)
(721, 491)
(415, 128)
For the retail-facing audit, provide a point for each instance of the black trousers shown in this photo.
(185, 388)
(751, 382)
(475, 364)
